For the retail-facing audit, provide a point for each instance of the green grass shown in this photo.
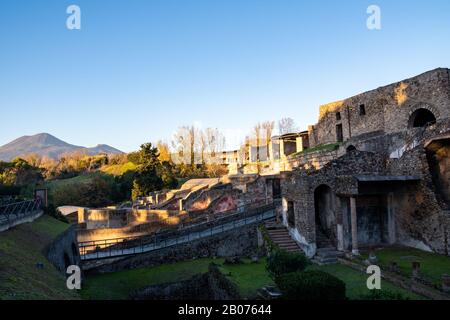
(355, 282)
(117, 285)
(248, 276)
(433, 265)
(54, 185)
(21, 248)
(119, 169)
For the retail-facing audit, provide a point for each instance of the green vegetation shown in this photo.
(21, 249)
(432, 265)
(117, 285)
(311, 285)
(355, 282)
(18, 173)
(319, 148)
(281, 262)
(90, 190)
(248, 276)
(118, 170)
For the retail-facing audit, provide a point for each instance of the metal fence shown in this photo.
(133, 245)
(15, 211)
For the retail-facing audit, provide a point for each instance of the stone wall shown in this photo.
(6, 225)
(63, 251)
(238, 242)
(387, 109)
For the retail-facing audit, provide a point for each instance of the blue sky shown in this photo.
(139, 69)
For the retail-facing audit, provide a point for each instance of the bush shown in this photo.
(52, 212)
(383, 295)
(311, 285)
(281, 261)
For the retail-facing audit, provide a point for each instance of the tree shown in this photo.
(268, 129)
(147, 177)
(164, 152)
(257, 133)
(184, 143)
(287, 125)
(215, 143)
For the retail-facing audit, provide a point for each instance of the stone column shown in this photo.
(181, 204)
(391, 218)
(157, 198)
(355, 250)
(81, 215)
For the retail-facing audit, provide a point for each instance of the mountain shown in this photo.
(45, 144)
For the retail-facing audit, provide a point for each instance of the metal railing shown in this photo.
(107, 248)
(15, 211)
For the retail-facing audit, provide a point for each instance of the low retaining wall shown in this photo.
(63, 251)
(237, 242)
(26, 219)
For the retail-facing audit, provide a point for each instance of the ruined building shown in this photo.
(376, 170)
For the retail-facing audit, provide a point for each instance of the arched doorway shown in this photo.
(421, 118)
(351, 148)
(324, 215)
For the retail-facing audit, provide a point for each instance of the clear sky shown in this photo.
(138, 69)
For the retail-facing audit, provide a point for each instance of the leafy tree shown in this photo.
(147, 177)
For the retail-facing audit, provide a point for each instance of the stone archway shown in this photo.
(350, 148)
(420, 118)
(325, 217)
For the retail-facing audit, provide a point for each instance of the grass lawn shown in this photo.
(118, 169)
(117, 285)
(21, 248)
(432, 265)
(356, 281)
(248, 276)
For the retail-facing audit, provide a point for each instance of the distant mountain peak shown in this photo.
(47, 145)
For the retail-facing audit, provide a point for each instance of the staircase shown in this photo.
(326, 252)
(281, 237)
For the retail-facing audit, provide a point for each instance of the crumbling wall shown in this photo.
(386, 109)
(418, 216)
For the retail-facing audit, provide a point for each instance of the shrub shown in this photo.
(281, 261)
(383, 295)
(52, 212)
(311, 285)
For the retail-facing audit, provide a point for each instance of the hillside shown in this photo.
(21, 248)
(46, 145)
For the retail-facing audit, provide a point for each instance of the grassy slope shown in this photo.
(248, 276)
(356, 282)
(21, 248)
(117, 285)
(433, 266)
(119, 169)
(54, 185)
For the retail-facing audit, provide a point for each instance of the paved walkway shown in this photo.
(181, 239)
